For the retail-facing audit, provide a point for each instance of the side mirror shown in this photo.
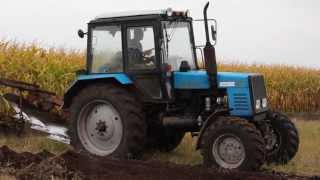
(81, 33)
(214, 27)
(213, 33)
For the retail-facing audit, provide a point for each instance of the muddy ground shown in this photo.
(70, 165)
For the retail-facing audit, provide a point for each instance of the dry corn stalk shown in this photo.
(5, 108)
(290, 89)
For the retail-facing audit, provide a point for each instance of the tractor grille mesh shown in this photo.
(241, 102)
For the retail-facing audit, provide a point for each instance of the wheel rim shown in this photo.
(228, 151)
(100, 128)
(274, 142)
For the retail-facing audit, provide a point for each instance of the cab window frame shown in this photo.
(155, 24)
(131, 27)
(89, 64)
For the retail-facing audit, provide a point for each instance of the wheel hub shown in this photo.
(273, 141)
(228, 151)
(104, 129)
(100, 128)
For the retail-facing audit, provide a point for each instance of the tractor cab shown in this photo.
(146, 46)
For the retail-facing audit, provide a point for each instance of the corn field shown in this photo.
(290, 89)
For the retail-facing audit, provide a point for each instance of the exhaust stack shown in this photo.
(210, 54)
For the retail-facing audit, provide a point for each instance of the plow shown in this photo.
(35, 108)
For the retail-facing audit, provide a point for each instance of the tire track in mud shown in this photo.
(71, 165)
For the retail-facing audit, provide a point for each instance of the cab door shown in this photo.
(143, 61)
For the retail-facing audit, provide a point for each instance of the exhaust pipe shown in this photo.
(181, 123)
(210, 55)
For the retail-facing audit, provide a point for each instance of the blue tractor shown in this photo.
(144, 88)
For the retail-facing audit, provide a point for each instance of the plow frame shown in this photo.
(40, 100)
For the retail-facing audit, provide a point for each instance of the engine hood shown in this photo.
(199, 80)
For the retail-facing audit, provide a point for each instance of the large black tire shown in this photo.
(249, 137)
(133, 120)
(287, 139)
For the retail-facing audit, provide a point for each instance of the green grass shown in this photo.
(32, 143)
(306, 162)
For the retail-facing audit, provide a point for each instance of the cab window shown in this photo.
(141, 51)
(178, 44)
(106, 49)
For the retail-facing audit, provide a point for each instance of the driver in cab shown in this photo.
(137, 57)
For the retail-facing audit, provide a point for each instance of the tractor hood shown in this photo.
(200, 80)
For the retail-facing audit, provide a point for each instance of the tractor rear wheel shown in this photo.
(285, 139)
(107, 121)
(232, 143)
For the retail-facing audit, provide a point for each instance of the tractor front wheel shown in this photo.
(232, 143)
(285, 139)
(107, 121)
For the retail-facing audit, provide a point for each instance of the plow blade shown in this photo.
(39, 109)
(54, 131)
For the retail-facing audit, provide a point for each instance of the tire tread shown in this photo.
(254, 135)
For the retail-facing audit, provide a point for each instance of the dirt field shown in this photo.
(69, 165)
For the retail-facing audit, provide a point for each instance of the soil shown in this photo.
(71, 165)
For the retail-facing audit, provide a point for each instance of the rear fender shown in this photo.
(84, 80)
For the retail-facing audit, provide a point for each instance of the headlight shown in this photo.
(258, 104)
(169, 12)
(222, 100)
(264, 102)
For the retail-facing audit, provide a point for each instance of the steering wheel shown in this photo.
(138, 58)
(147, 60)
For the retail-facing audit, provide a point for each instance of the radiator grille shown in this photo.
(241, 102)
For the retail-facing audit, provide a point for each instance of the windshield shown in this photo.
(177, 44)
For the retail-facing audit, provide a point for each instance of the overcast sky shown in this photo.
(254, 31)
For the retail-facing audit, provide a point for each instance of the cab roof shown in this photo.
(139, 15)
(133, 13)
